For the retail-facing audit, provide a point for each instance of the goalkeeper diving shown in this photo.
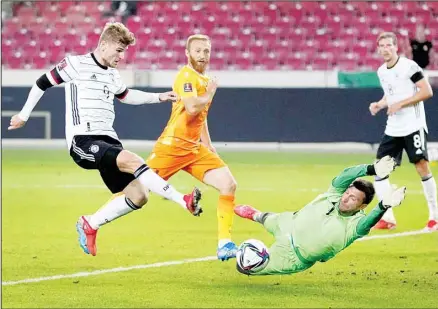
(328, 224)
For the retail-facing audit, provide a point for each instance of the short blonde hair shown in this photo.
(387, 35)
(194, 37)
(118, 33)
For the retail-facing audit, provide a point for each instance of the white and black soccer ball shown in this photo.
(252, 256)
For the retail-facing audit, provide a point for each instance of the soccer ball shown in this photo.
(252, 256)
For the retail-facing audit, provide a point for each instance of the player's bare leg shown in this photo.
(222, 179)
(430, 193)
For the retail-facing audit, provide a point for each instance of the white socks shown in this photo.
(382, 186)
(223, 242)
(112, 210)
(121, 205)
(429, 188)
(158, 185)
(430, 193)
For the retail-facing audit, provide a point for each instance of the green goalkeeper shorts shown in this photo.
(283, 259)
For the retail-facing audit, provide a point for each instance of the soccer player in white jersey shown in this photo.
(405, 88)
(92, 82)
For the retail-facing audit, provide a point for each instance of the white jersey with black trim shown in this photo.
(398, 83)
(89, 95)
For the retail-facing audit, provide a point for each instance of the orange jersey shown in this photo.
(183, 130)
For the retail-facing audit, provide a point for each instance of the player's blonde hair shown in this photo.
(194, 37)
(118, 33)
(387, 35)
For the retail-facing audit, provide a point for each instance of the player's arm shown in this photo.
(193, 103)
(64, 72)
(205, 137)
(341, 182)
(391, 199)
(424, 90)
(137, 97)
(381, 168)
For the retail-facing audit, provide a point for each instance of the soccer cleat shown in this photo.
(246, 211)
(87, 236)
(227, 252)
(431, 226)
(192, 202)
(384, 225)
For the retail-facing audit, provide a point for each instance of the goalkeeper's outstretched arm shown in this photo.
(391, 199)
(381, 168)
(341, 182)
(366, 223)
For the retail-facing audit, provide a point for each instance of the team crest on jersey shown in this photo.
(62, 65)
(94, 148)
(188, 87)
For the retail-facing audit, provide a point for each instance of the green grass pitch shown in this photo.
(44, 192)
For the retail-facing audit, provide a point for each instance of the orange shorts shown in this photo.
(166, 161)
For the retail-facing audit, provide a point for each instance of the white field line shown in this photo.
(170, 263)
(94, 186)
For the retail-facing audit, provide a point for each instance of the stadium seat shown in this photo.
(347, 64)
(280, 34)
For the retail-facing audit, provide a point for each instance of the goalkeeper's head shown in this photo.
(358, 195)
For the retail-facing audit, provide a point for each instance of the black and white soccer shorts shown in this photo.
(100, 152)
(415, 145)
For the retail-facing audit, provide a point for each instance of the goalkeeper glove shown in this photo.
(393, 197)
(384, 166)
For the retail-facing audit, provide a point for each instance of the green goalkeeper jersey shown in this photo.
(319, 231)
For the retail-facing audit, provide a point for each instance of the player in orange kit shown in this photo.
(185, 143)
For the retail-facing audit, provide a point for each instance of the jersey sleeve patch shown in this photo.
(61, 66)
(188, 87)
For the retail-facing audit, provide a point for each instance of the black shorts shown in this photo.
(415, 145)
(91, 152)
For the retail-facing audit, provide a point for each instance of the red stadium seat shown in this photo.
(277, 34)
(14, 62)
(11, 26)
(41, 61)
(320, 64)
(347, 64)
(56, 53)
(27, 12)
(296, 64)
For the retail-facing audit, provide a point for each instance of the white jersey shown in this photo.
(398, 83)
(89, 95)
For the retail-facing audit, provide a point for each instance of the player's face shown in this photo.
(199, 54)
(387, 49)
(113, 53)
(352, 200)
